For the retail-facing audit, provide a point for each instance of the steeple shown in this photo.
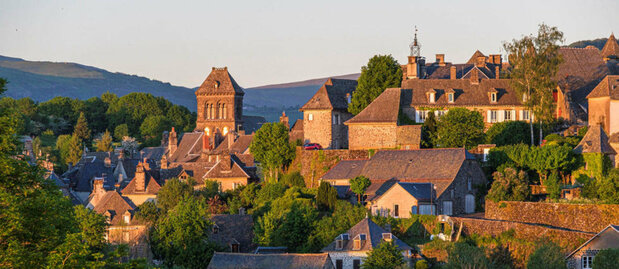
(611, 48)
(415, 46)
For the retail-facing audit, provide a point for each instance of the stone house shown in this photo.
(582, 257)
(325, 113)
(349, 249)
(596, 141)
(220, 103)
(403, 199)
(143, 187)
(380, 124)
(604, 104)
(223, 260)
(233, 232)
(453, 173)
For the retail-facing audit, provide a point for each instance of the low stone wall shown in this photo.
(567, 239)
(582, 217)
(313, 164)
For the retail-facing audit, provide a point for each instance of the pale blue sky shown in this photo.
(264, 42)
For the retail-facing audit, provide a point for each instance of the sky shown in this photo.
(268, 42)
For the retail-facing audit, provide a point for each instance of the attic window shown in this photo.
(127, 219)
(387, 237)
(216, 84)
(450, 97)
(493, 97)
(431, 97)
(339, 244)
(358, 241)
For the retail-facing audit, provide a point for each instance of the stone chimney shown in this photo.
(481, 61)
(172, 142)
(97, 191)
(140, 177)
(231, 137)
(440, 59)
(452, 72)
(164, 162)
(413, 68)
(206, 143)
(497, 72)
(146, 164)
(284, 119)
(496, 59)
(226, 162)
(474, 76)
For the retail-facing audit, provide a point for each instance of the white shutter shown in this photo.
(521, 115)
(489, 118)
(513, 114)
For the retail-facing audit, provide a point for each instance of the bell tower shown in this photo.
(220, 103)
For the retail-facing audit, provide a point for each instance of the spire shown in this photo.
(611, 48)
(415, 46)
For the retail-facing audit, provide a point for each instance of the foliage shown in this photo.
(129, 145)
(509, 185)
(293, 179)
(385, 256)
(598, 164)
(358, 185)
(606, 258)
(344, 216)
(81, 130)
(604, 188)
(534, 62)
(326, 196)
(463, 255)
(153, 127)
(428, 131)
(460, 127)
(546, 256)
(507, 133)
(553, 186)
(271, 148)
(104, 142)
(148, 212)
(172, 193)
(501, 258)
(180, 237)
(421, 264)
(75, 150)
(381, 72)
(121, 131)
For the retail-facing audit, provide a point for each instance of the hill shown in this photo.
(598, 43)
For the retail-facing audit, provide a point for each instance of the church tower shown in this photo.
(220, 104)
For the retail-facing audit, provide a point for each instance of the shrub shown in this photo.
(606, 258)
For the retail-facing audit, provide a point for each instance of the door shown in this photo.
(447, 208)
(469, 205)
(356, 264)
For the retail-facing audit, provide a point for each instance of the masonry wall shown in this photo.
(582, 217)
(599, 111)
(372, 136)
(135, 236)
(340, 130)
(317, 130)
(613, 118)
(313, 164)
(408, 136)
(139, 199)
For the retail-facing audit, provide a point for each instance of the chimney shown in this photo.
(206, 143)
(164, 162)
(284, 119)
(440, 59)
(481, 61)
(412, 68)
(226, 162)
(230, 138)
(146, 164)
(140, 177)
(97, 191)
(172, 142)
(107, 161)
(452, 72)
(497, 72)
(474, 76)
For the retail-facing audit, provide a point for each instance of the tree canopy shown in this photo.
(381, 72)
(385, 256)
(460, 127)
(271, 147)
(358, 185)
(546, 256)
(509, 185)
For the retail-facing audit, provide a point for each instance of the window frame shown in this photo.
(450, 97)
(493, 98)
(587, 262)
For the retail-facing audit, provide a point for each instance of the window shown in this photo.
(508, 115)
(422, 115)
(486, 152)
(396, 211)
(356, 264)
(468, 184)
(127, 219)
(450, 97)
(225, 131)
(525, 115)
(310, 117)
(235, 247)
(207, 131)
(493, 97)
(431, 97)
(440, 113)
(414, 209)
(493, 116)
(339, 244)
(587, 262)
(336, 119)
(339, 264)
(387, 237)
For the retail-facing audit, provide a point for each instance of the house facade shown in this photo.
(325, 113)
(403, 199)
(604, 104)
(582, 257)
(223, 260)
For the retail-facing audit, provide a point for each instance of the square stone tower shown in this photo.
(220, 104)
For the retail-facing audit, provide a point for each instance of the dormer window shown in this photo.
(450, 97)
(235, 247)
(387, 237)
(493, 97)
(340, 241)
(127, 219)
(358, 241)
(216, 84)
(431, 97)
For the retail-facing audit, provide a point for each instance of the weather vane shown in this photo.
(415, 46)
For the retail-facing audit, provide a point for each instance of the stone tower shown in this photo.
(220, 104)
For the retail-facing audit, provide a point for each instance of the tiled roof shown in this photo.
(239, 146)
(219, 81)
(296, 132)
(234, 228)
(465, 92)
(473, 58)
(580, 71)
(373, 234)
(115, 205)
(189, 148)
(384, 109)
(220, 170)
(614, 228)
(223, 260)
(614, 138)
(152, 186)
(332, 95)
(346, 169)
(611, 48)
(609, 86)
(595, 141)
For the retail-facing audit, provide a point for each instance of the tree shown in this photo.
(181, 237)
(385, 256)
(153, 127)
(606, 258)
(509, 185)
(460, 127)
(104, 143)
(172, 192)
(81, 130)
(121, 131)
(546, 256)
(75, 150)
(358, 185)
(428, 131)
(507, 133)
(326, 196)
(534, 62)
(463, 255)
(271, 148)
(293, 179)
(148, 212)
(343, 217)
(381, 72)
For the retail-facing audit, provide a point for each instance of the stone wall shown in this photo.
(582, 217)
(372, 136)
(318, 129)
(313, 164)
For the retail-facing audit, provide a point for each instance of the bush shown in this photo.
(463, 255)
(606, 258)
(509, 185)
(421, 264)
(508, 133)
(293, 179)
(546, 256)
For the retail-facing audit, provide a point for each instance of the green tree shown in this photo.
(344, 216)
(534, 62)
(358, 185)
(95, 109)
(181, 237)
(172, 193)
(104, 143)
(381, 72)
(75, 150)
(153, 127)
(421, 264)
(385, 256)
(463, 255)
(293, 179)
(460, 127)
(121, 131)
(509, 185)
(271, 148)
(81, 130)
(428, 131)
(546, 256)
(132, 109)
(507, 133)
(608, 187)
(326, 196)
(606, 258)
(148, 212)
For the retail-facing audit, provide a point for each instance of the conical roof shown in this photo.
(595, 141)
(611, 48)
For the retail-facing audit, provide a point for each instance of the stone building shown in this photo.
(325, 113)
(220, 103)
(604, 104)
(233, 232)
(582, 257)
(596, 142)
(222, 260)
(452, 172)
(143, 187)
(403, 199)
(349, 249)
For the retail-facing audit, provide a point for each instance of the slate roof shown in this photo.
(384, 109)
(595, 141)
(115, 205)
(434, 71)
(152, 186)
(332, 95)
(345, 169)
(153, 153)
(465, 92)
(90, 166)
(220, 171)
(189, 149)
(421, 191)
(611, 48)
(234, 228)
(219, 81)
(222, 260)
(374, 236)
(252, 123)
(608, 87)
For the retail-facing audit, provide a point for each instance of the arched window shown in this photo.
(207, 112)
(225, 112)
(225, 131)
(219, 111)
